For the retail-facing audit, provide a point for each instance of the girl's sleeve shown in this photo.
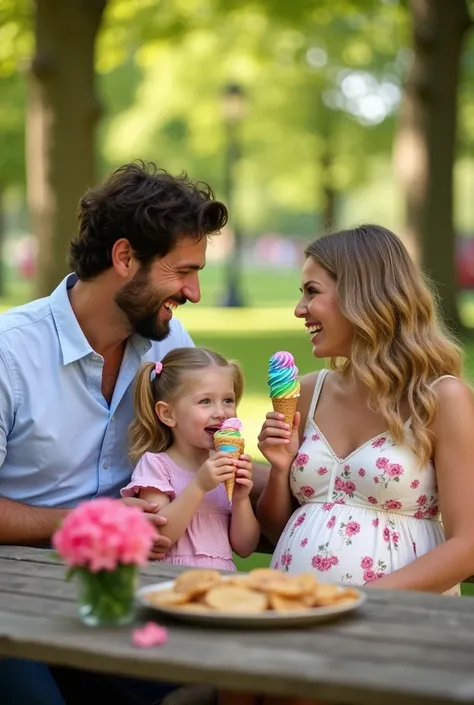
(150, 471)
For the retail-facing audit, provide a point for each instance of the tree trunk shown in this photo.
(328, 191)
(62, 114)
(425, 147)
(324, 122)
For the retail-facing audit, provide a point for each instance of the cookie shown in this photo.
(230, 598)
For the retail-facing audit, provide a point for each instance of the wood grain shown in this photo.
(409, 648)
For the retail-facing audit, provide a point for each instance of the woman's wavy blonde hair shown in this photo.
(147, 433)
(399, 346)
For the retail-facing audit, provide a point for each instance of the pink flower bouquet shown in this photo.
(103, 542)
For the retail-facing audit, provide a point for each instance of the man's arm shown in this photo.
(24, 525)
(19, 523)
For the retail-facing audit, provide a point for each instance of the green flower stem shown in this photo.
(107, 597)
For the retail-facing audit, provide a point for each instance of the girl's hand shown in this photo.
(243, 479)
(277, 442)
(219, 468)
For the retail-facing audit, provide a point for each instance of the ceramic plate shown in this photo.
(266, 620)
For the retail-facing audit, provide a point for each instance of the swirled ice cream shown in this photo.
(284, 384)
(283, 376)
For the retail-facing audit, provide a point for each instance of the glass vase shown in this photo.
(107, 598)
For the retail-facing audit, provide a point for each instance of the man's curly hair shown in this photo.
(148, 207)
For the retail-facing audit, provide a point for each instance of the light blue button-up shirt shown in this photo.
(60, 442)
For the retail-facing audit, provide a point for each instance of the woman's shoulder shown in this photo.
(308, 384)
(455, 400)
(451, 391)
(309, 381)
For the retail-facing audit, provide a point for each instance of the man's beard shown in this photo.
(136, 300)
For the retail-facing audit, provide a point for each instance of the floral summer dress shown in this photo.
(362, 516)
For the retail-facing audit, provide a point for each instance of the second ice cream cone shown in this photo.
(287, 407)
(239, 444)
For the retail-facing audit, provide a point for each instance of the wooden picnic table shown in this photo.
(400, 647)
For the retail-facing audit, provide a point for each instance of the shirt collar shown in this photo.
(73, 342)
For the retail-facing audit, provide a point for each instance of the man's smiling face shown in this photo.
(149, 298)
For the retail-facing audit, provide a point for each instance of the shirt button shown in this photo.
(105, 465)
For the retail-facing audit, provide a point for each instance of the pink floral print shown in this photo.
(372, 570)
(348, 530)
(301, 460)
(325, 559)
(299, 521)
(306, 491)
(390, 472)
(392, 504)
(286, 560)
(343, 486)
(428, 508)
(390, 535)
(363, 517)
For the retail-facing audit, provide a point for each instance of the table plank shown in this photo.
(243, 663)
(400, 647)
(24, 554)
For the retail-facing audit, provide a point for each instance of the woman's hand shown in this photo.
(243, 479)
(277, 442)
(219, 468)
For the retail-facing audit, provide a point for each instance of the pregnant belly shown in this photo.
(352, 545)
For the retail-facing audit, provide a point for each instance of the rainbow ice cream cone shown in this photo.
(229, 440)
(284, 384)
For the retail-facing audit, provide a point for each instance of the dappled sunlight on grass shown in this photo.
(230, 321)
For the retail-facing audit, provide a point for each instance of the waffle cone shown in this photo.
(287, 407)
(240, 443)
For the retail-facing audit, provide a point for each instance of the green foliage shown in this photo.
(16, 42)
(16, 35)
(180, 56)
(12, 138)
(312, 72)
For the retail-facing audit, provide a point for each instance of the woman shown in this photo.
(383, 443)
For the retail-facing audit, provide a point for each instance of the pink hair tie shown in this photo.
(158, 368)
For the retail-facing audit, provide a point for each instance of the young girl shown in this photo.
(179, 404)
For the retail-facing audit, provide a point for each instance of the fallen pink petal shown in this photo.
(149, 635)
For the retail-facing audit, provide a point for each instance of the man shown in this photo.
(67, 362)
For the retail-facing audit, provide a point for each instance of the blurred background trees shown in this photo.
(305, 115)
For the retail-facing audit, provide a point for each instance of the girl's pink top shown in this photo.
(205, 543)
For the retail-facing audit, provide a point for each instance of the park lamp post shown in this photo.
(233, 111)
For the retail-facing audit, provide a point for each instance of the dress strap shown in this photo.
(317, 391)
(440, 378)
(408, 422)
